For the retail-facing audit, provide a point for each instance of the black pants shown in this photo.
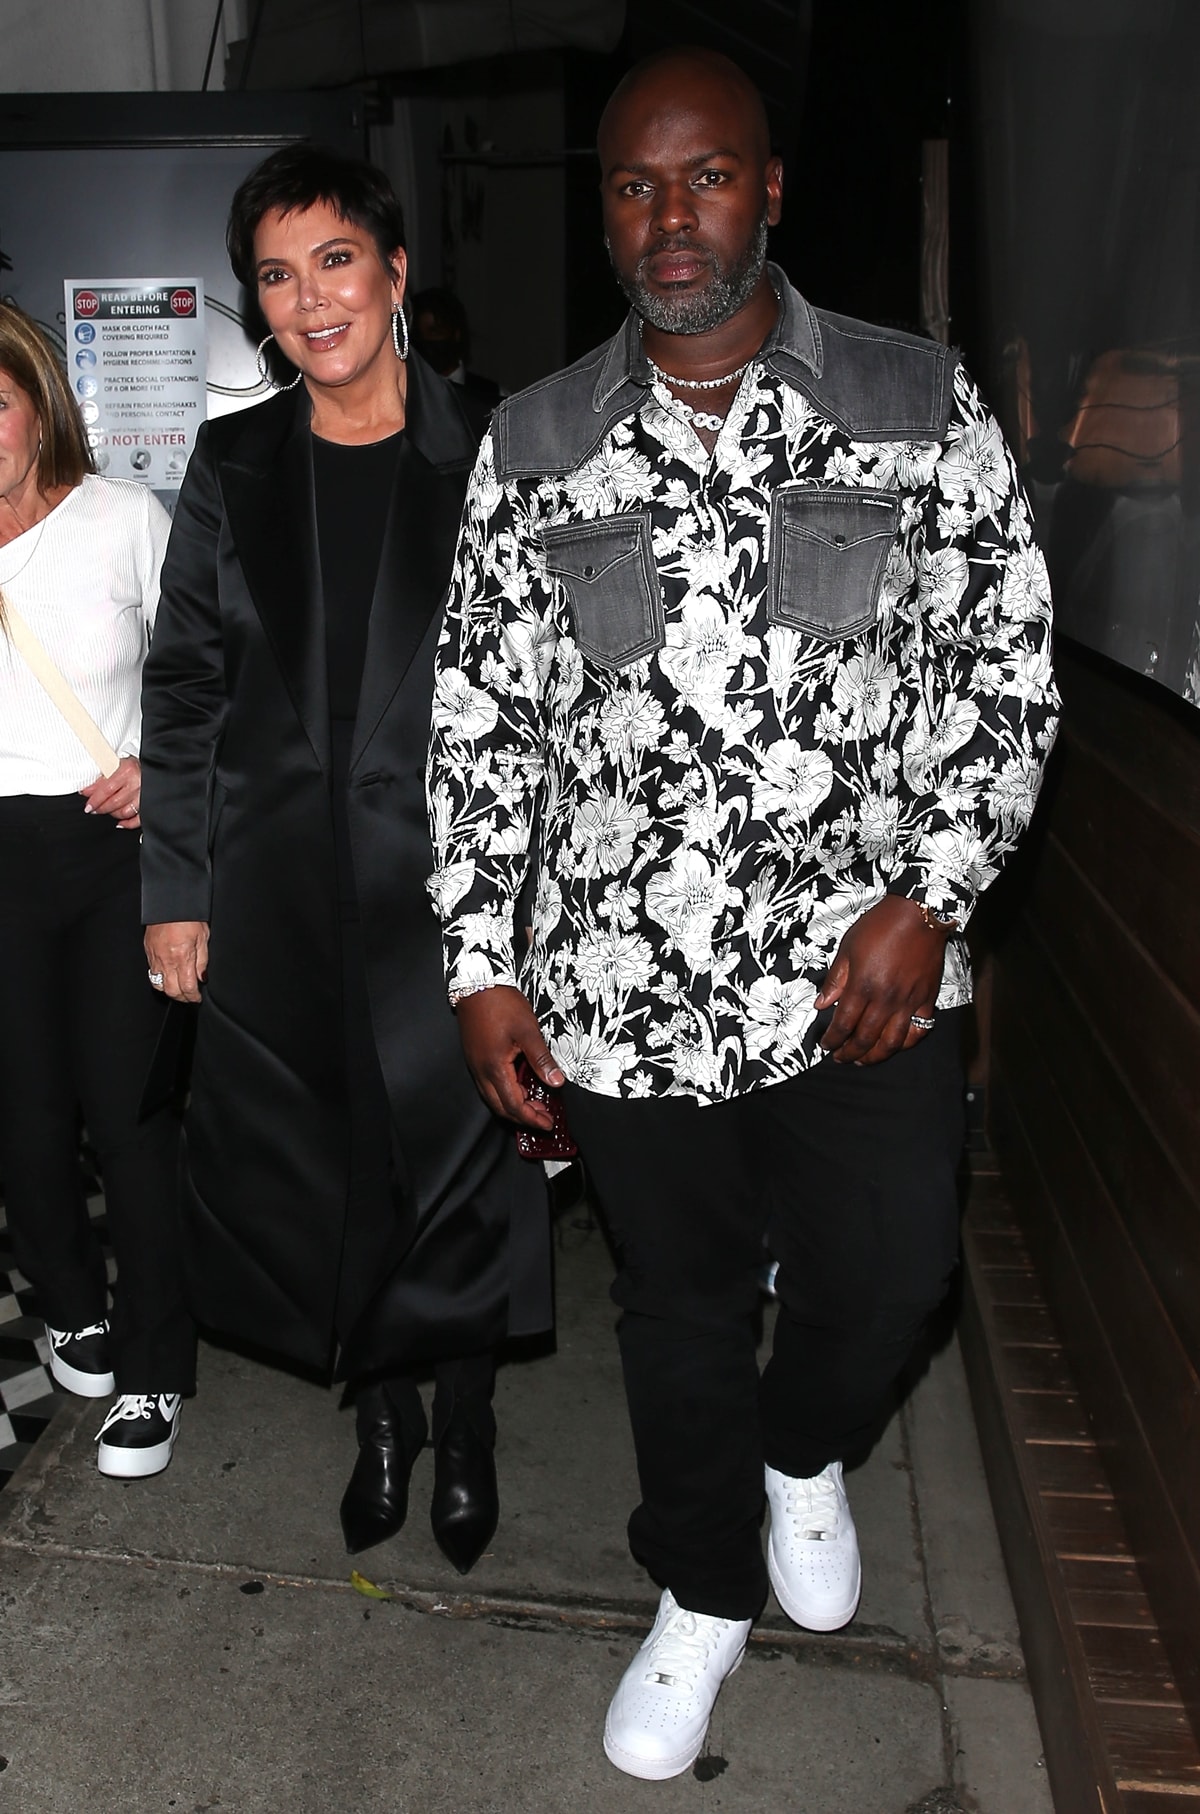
(78, 1026)
(849, 1175)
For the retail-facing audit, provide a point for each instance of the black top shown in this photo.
(353, 491)
(353, 487)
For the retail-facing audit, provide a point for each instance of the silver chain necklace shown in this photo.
(699, 417)
(697, 384)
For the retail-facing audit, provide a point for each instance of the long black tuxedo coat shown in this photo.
(238, 831)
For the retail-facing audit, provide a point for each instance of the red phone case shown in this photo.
(554, 1142)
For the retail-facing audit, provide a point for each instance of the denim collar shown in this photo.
(794, 340)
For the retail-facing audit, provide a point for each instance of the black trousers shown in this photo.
(848, 1174)
(78, 1027)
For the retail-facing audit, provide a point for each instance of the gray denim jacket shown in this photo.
(876, 383)
(725, 702)
(829, 547)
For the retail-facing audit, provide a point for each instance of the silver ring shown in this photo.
(922, 1022)
(154, 978)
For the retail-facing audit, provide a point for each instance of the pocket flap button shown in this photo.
(606, 569)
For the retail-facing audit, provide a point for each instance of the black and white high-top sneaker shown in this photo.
(138, 1434)
(79, 1360)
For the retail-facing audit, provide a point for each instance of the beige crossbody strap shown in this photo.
(48, 676)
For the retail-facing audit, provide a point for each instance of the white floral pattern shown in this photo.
(714, 816)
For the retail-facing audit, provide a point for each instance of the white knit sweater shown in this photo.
(86, 581)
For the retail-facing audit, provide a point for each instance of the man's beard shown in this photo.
(699, 311)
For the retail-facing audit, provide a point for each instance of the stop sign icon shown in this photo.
(87, 302)
(183, 302)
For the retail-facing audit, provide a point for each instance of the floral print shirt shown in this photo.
(723, 704)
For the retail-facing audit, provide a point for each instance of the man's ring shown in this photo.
(155, 978)
(922, 1022)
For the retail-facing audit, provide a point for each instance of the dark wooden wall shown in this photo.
(1094, 1101)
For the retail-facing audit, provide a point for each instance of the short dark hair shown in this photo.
(298, 177)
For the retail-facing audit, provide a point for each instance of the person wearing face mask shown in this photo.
(79, 563)
(347, 1199)
(442, 336)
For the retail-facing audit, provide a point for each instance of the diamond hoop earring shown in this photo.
(264, 373)
(399, 331)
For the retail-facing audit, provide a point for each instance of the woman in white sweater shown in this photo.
(79, 1022)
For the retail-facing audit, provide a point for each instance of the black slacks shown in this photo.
(78, 1027)
(848, 1174)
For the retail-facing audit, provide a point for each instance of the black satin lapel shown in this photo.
(414, 572)
(272, 515)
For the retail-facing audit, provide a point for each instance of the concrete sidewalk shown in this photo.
(193, 1642)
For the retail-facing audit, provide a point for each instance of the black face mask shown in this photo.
(442, 355)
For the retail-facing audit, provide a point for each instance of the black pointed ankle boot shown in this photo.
(390, 1437)
(465, 1509)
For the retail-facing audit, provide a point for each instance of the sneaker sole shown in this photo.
(659, 1769)
(84, 1385)
(135, 1464)
(811, 1621)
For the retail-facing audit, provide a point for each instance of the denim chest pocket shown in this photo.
(829, 551)
(606, 568)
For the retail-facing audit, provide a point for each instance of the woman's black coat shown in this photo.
(237, 830)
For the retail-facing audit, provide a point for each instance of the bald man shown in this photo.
(749, 622)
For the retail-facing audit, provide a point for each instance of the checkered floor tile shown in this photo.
(28, 1396)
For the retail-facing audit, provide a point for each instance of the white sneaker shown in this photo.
(79, 1360)
(812, 1555)
(659, 1715)
(137, 1436)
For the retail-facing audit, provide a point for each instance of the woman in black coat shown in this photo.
(346, 1193)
